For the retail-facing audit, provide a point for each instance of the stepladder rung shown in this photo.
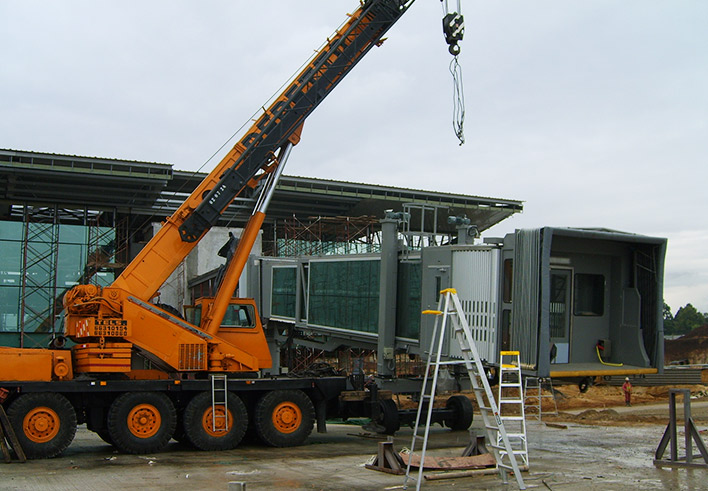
(452, 362)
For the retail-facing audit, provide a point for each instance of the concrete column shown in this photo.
(386, 362)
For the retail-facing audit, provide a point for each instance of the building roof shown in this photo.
(156, 189)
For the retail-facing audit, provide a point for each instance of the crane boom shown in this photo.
(255, 152)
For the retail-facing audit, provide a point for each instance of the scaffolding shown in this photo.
(324, 236)
(47, 271)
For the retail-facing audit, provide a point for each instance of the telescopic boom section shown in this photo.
(254, 154)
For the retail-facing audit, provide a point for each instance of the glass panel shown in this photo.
(408, 306)
(239, 316)
(73, 234)
(344, 294)
(70, 265)
(11, 230)
(9, 308)
(558, 315)
(10, 263)
(283, 292)
(193, 314)
(589, 294)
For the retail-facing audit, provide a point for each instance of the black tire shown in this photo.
(463, 413)
(585, 384)
(284, 418)
(492, 376)
(141, 422)
(197, 423)
(389, 419)
(44, 422)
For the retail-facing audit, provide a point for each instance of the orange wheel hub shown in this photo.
(287, 417)
(41, 424)
(144, 420)
(208, 422)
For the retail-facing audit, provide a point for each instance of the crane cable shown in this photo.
(454, 29)
(458, 101)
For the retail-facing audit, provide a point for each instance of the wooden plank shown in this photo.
(452, 463)
(3, 445)
(14, 442)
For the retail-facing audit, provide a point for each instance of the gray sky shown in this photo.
(595, 113)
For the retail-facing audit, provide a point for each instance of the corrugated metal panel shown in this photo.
(475, 276)
(525, 298)
(671, 376)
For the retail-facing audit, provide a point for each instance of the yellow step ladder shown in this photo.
(511, 404)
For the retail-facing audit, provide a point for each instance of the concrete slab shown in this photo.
(579, 457)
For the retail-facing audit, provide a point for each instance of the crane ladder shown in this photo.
(219, 399)
(450, 312)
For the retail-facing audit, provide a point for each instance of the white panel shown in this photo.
(475, 276)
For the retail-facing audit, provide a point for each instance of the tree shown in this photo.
(686, 319)
(668, 320)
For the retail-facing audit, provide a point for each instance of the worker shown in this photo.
(627, 390)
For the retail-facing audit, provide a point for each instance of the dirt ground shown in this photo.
(605, 404)
(690, 348)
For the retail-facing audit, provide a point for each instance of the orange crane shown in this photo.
(184, 394)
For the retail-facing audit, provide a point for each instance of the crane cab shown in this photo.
(240, 327)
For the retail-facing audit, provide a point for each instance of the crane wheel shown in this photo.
(205, 426)
(463, 413)
(389, 419)
(44, 422)
(284, 418)
(141, 422)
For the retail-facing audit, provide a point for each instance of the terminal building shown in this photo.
(68, 219)
(339, 264)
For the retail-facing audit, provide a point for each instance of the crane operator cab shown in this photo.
(241, 325)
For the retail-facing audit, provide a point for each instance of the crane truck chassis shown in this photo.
(202, 382)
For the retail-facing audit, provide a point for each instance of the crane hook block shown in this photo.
(454, 30)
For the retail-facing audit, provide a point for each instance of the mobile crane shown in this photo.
(97, 381)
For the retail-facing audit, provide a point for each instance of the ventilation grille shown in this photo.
(192, 357)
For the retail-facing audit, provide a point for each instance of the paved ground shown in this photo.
(578, 457)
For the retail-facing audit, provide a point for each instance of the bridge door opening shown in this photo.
(560, 314)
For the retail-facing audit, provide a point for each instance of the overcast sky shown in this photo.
(594, 113)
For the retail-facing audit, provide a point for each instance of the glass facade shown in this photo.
(40, 261)
(344, 294)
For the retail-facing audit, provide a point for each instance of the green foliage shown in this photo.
(686, 319)
(668, 320)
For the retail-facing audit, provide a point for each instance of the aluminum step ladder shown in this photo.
(511, 404)
(450, 312)
(219, 399)
(534, 396)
